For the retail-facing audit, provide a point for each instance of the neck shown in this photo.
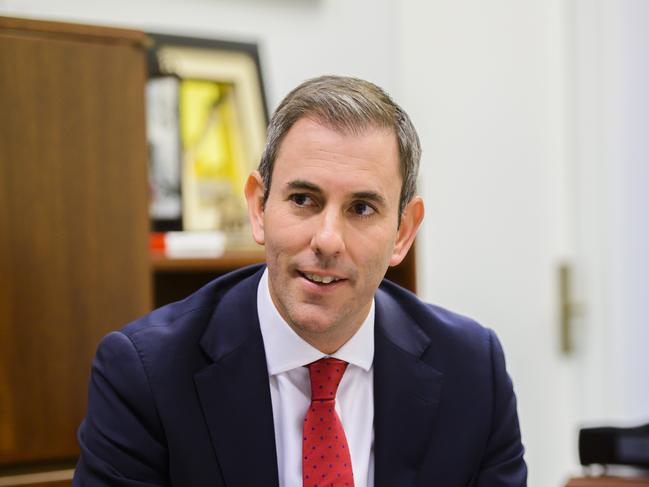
(327, 343)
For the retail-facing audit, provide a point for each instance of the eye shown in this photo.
(302, 199)
(363, 209)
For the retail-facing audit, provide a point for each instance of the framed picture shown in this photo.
(208, 96)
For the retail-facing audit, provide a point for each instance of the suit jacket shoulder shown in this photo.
(443, 376)
(439, 325)
(159, 412)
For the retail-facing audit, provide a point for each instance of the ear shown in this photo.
(254, 191)
(411, 218)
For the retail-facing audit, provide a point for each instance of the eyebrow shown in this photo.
(305, 185)
(373, 196)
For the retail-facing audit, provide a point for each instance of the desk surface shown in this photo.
(607, 482)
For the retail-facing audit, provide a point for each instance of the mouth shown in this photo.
(320, 279)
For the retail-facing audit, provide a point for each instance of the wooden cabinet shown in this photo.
(73, 223)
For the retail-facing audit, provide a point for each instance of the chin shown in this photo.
(311, 322)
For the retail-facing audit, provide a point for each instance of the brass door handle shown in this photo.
(568, 309)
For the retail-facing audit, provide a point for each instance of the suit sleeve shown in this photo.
(503, 464)
(121, 439)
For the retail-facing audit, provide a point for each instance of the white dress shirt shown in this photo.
(290, 391)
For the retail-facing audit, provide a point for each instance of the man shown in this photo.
(310, 371)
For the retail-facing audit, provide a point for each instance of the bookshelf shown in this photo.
(75, 262)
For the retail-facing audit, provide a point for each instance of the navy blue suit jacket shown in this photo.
(181, 397)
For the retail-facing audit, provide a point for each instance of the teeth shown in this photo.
(324, 280)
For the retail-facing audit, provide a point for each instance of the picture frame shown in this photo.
(215, 90)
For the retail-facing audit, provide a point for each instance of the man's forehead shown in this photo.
(344, 126)
(341, 127)
(371, 141)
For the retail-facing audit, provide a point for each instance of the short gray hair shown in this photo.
(351, 106)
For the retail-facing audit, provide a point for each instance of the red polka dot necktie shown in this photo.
(325, 454)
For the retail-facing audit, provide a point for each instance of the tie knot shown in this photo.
(325, 375)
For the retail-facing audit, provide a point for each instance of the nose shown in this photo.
(328, 238)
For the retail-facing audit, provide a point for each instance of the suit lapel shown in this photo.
(406, 395)
(234, 390)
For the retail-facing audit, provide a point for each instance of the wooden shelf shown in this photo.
(227, 262)
(54, 478)
(177, 278)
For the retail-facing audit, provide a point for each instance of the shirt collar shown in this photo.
(286, 350)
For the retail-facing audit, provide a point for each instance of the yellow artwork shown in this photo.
(214, 165)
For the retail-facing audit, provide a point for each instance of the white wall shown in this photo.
(612, 120)
(298, 39)
(486, 84)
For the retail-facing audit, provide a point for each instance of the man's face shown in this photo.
(330, 227)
